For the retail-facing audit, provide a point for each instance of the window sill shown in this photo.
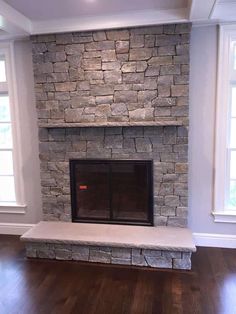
(12, 208)
(225, 216)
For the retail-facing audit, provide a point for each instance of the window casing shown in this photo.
(11, 181)
(225, 144)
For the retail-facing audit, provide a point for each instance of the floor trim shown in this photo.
(215, 240)
(14, 228)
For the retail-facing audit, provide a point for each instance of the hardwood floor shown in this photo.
(40, 286)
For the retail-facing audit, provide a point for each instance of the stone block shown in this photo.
(99, 256)
(138, 260)
(172, 200)
(167, 40)
(119, 109)
(55, 56)
(143, 145)
(181, 189)
(183, 28)
(145, 114)
(112, 76)
(65, 87)
(141, 66)
(125, 96)
(182, 212)
(153, 70)
(166, 51)
(146, 96)
(64, 39)
(162, 112)
(122, 46)
(136, 41)
(92, 64)
(61, 67)
(159, 262)
(99, 36)
(83, 101)
(133, 78)
(112, 65)
(165, 80)
(102, 90)
(179, 222)
(63, 254)
(117, 35)
(167, 211)
(73, 115)
(104, 99)
(123, 253)
(103, 110)
(180, 111)
(113, 141)
(154, 61)
(43, 68)
(93, 75)
(184, 264)
(120, 261)
(137, 54)
(108, 55)
(149, 40)
(151, 253)
(170, 69)
(46, 253)
(172, 254)
(129, 67)
(179, 90)
(163, 90)
(39, 48)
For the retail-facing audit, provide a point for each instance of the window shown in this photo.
(7, 185)
(225, 153)
(11, 186)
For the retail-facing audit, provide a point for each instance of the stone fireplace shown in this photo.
(116, 95)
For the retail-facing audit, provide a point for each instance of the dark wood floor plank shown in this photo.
(60, 287)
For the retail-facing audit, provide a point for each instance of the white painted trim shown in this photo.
(12, 21)
(14, 228)
(201, 9)
(225, 216)
(12, 208)
(130, 19)
(227, 33)
(215, 240)
(7, 48)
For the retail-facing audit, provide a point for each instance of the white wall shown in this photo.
(203, 72)
(29, 144)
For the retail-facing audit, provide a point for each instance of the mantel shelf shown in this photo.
(111, 124)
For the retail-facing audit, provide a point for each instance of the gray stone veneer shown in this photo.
(167, 146)
(128, 75)
(110, 255)
(137, 74)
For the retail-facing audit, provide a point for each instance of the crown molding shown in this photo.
(12, 21)
(129, 19)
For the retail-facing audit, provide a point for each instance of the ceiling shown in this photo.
(57, 9)
(19, 18)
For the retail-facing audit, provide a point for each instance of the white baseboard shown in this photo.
(215, 240)
(14, 228)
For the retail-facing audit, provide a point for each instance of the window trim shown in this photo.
(221, 163)
(7, 49)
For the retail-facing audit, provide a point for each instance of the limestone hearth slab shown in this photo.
(155, 238)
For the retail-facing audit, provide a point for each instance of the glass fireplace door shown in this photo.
(92, 191)
(112, 191)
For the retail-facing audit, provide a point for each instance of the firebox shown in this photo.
(112, 191)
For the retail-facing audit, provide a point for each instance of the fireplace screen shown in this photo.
(112, 191)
